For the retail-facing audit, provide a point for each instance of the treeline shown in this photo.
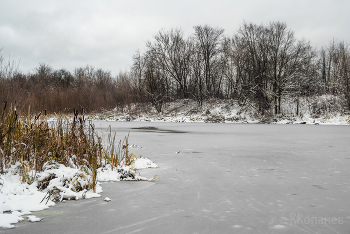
(62, 91)
(259, 66)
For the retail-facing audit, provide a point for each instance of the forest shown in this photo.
(260, 66)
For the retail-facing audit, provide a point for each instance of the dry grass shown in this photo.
(33, 141)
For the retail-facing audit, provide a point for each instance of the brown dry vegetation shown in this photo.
(33, 141)
(60, 91)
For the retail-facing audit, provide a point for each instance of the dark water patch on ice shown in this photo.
(319, 186)
(154, 129)
(192, 152)
(147, 128)
(266, 169)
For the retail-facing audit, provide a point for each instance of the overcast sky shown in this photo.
(105, 34)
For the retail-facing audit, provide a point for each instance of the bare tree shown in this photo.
(172, 53)
(252, 59)
(335, 69)
(268, 61)
(208, 44)
(344, 51)
(289, 60)
(137, 71)
(197, 77)
(156, 83)
(8, 68)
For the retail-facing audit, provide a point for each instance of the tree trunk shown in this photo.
(297, 113)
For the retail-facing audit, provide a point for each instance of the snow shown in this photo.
(33, 218)
(64, 175)
(227, 111)
(142, 163)
(18, 199)
(278, 226)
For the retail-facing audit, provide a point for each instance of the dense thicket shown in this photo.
(259, 66)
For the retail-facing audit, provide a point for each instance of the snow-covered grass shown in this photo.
(56, 183)
(34, 141)
(325, 109)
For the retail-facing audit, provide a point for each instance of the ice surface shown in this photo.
(227, 178)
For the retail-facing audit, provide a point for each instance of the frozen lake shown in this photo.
(227, 178)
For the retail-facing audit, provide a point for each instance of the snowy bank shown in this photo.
(311, 111)
(56, 183)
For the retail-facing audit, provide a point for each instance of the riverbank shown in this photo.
(315, 110)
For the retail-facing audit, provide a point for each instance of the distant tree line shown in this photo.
(62, 91)
(259, 66)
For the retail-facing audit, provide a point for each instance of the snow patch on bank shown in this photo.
(18, 200)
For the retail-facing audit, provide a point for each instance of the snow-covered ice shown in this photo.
(33, 218)
(142, 163)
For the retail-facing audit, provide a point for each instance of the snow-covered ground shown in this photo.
(18, 200)
(327, 108)
(219, 178)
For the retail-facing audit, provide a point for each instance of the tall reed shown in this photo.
(120, 154)
(33, 141)
(36, 140)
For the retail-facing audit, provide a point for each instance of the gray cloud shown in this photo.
(105, 34)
